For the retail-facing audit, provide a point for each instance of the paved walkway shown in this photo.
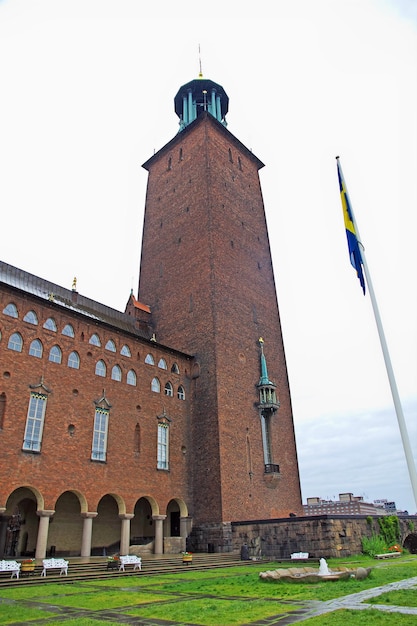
(356, 601)
(307, 610)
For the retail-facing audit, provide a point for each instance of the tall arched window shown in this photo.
(181, 393)
(168, 390)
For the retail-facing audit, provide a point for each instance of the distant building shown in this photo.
(348, 504)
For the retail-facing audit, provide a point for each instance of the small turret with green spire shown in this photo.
(267, 389)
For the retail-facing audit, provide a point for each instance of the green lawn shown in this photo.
(221, 596)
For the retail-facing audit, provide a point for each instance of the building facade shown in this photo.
(162, 423)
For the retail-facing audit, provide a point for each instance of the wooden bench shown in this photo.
(60, 564)
(297, 556)
(130, 559)
(387, 555)
(10, 566)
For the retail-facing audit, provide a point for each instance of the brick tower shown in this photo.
(206, 272)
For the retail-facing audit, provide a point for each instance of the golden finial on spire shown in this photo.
(200, 75)
(74, 284)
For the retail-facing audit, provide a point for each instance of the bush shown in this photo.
(373, 545)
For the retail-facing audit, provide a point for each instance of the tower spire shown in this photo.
(200, 75)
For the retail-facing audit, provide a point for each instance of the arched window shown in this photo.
(175, 369)
(181, 393)
(116, 373)
(94, 340)
(101, 368)
(125, 351)
(131, 378)
(111, 346)
(163, 446)
(68, 330)
(15, 342)
(11, 310)
(149, 359)
(101, 425)
(55, 354)
(162, 364)
(74, 361)
(168, 390)
(34, 422)
(31, 317)
(155, 385)
(36, 348)
(50, 324)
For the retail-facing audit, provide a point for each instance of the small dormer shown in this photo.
(268, 402)
(198, 96)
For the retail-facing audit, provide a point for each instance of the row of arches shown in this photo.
(70, 529)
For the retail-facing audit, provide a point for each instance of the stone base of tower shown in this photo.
(215, 537)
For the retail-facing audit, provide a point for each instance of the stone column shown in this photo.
(87, 533)
(125, 532)
(159, 533)
(3, 529)
(43, 529)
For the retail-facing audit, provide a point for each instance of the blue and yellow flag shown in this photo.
(353, 243)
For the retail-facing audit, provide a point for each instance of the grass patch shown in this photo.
(398, 597)
(369, 617)
(227, 596)
(12, 613)
(213, 611)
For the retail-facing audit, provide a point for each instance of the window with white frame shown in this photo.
(168, 390)
(74, 361)
(125, 351)
(116, 373)
(110, 345)
(68, 330)
(162, 364)
(163, 447)
(155, 385)
(34, 422)
(95, 340)
(101, 368)
(11, 310)
(36, 348)
(131, 378)
(181, 393)
(31, 317)
(55, 354)
(15, 342)
(50, 324)
(149, 359)
(101, 424)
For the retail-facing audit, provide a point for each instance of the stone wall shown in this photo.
(320, 536)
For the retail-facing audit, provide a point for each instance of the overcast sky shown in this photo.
(87, 89)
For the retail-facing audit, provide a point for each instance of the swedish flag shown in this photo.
(353, 243)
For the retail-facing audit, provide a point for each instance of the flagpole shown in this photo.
(394, 391)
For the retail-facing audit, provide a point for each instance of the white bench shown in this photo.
(299, 555)
(10, 566)
(60, 564)
(130, 559)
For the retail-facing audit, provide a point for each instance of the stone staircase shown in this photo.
(95, 568)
